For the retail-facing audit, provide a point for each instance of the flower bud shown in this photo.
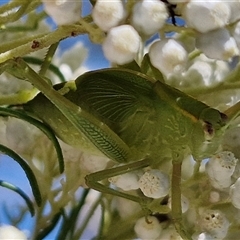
(214, 223)
(127, 181)
(148, 228)
(217, 44)
(220, 168)
(149, 16)
(205, 16)
(168, 56)
(154, 184)
(63, 12)
(108, 14)
(11, 232)
(121, 44)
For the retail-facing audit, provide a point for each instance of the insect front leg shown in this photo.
(92, 180)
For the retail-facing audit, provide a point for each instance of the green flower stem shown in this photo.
(26, 6)
(34, 43)
(48, 59)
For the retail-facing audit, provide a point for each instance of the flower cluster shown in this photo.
(162, 187)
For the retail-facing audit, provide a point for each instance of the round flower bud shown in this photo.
(148, 228)
(205, 16)
(63, 12)
(121, 44)
(235, 9)
(217, 44)
(108, 14)
(214, 197)
(127, 181)
(149, 16)
(168, 56)
(214, 223)
(220, 168)
(235, 194)
(93, 163)
(11, 232)
(154, 184)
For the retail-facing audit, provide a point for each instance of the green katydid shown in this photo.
(129, 117)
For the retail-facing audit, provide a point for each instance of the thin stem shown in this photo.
(69, 222)
(80, 231)
(48, 59)
(34, 43)
(176, 201)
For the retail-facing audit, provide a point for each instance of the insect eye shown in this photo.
(208, 130)
(223, 117)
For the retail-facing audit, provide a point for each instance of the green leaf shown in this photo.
(52, 67)
(51, 225)
(21, 193)
(28, 171)
(148, 69)
(45, 129)
(131, 66)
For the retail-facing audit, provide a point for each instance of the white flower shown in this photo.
(205, 72)
(121, 44)
(108, 14)
(205, 16)
(235, 10)
(93, 163)
(217, 44)
(235, 194)
(168, 56)
(71, 62)
(21, 136)
(220, 168)
(154, 184)
(127, 181)
(214, 223)
(149, 16)
(148, 228)
(125, 207)
(63, 11)
(11, 232)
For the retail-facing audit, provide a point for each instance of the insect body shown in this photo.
(130, 117)
(150, 118)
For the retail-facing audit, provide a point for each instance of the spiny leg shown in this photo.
(92, 180)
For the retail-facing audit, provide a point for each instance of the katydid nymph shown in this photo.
(132, 119)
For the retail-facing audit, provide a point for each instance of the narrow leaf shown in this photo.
(52, 68)
(28, 171)
(21, 193)
(45, 129)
